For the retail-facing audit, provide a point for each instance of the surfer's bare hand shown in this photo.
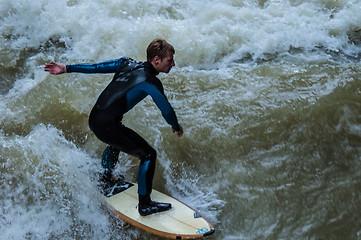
(180, 132)
(55, 68)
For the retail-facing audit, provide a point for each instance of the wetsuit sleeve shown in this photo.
(160, 100)
(167, 110)
(110, 66)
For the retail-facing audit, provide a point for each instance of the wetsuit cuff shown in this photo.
(68, 68)
(177, 128)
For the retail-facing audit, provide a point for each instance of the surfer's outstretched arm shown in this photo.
(110, 66)
(55, 68)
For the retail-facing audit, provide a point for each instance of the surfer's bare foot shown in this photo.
(147, 206)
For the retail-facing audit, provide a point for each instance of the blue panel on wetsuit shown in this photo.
(110, 66)
(140, 91)
(142, 172)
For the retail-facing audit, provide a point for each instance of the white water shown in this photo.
(268, 93)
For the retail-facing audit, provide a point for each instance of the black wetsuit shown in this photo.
(132, 82)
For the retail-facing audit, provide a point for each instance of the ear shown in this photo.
(156, 60)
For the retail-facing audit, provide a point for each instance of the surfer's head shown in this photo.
(159, 47)
(160, 54)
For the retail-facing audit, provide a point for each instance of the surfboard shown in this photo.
(180, 222)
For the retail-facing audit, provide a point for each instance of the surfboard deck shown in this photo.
(180, 222)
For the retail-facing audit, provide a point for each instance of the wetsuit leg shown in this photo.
(107, 126)
(111, 131)
(126, 140)
(109, 159)
(133, 144)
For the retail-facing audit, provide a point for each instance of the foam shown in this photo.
(44, 195)
(104, 30)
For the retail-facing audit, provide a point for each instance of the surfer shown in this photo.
(132, 82)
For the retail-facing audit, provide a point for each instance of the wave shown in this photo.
(204, 34)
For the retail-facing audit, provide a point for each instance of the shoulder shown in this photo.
(155, 82)
(127, 64)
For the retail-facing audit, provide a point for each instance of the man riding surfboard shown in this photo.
(132, 82)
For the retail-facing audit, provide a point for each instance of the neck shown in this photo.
(155, 66)
(152, 66)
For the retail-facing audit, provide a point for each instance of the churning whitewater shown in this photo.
(268, 93)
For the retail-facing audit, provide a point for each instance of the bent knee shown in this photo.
(149, 155)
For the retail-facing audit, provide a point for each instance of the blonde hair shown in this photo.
(159, 47)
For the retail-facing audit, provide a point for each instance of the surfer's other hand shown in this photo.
(180, 132)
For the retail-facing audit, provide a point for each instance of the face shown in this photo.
(164, 65)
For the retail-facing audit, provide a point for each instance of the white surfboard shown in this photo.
(180, 222)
